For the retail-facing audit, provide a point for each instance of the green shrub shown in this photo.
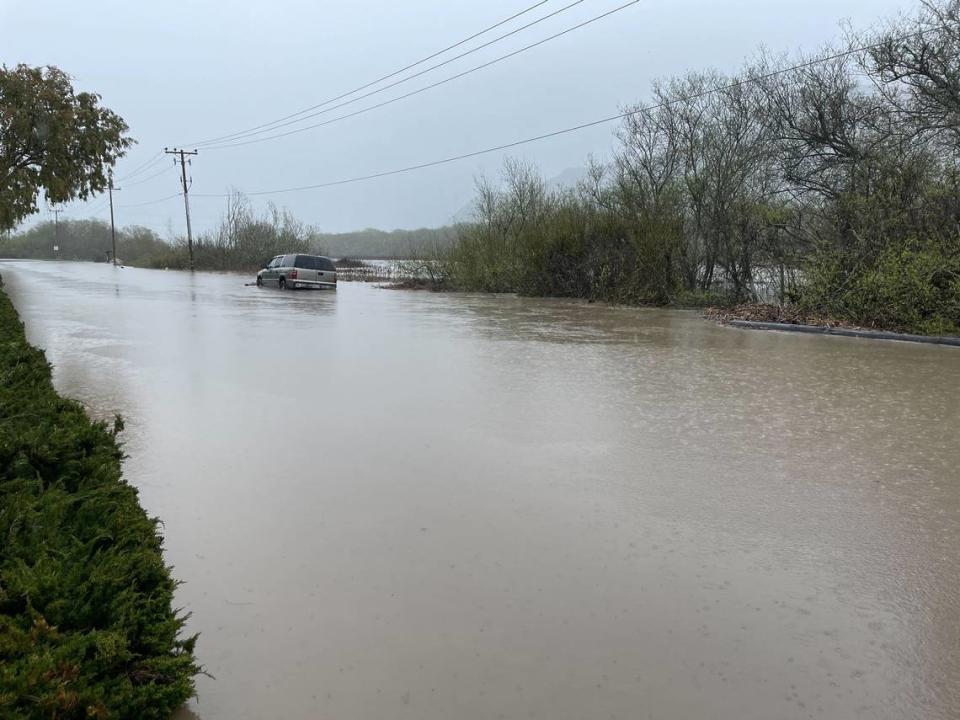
(912, 287)
(87, 628)
(534, 241)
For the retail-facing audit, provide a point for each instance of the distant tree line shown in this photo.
(243, 240)
(833, 185)
(83, 240)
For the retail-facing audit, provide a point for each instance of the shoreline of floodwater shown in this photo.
(758, 316)
(945, 340)
(736, 317)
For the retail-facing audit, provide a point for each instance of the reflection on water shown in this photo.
(408, 505)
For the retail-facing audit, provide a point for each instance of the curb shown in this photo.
(950, 341)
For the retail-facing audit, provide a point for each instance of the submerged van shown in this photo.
(299, 271)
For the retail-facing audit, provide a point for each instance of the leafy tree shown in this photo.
(52, 139)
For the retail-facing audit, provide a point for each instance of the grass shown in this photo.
(87, 625)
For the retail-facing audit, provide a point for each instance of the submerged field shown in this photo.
(447, 505)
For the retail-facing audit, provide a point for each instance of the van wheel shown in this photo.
(283, 283)
(259, 281)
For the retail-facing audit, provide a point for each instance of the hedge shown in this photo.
(87, 624)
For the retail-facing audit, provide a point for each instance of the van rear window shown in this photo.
(326, 264)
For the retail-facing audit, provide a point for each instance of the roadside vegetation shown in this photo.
(87, 628)
(244, 240)
(834, 188)
(87, 625)
(83, 240)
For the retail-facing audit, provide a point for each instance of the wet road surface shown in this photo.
(388, 504)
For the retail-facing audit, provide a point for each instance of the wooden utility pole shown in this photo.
(56, 229)
(113, 231)
(186, 198)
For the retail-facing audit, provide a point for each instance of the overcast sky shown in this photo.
(181, 72)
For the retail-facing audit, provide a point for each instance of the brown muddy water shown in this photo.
(406, 505)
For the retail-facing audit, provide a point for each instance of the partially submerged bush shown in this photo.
(914, 286)
(87, 628)
(350, 263)
(537, 241)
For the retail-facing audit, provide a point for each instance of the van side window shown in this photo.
(307, 262)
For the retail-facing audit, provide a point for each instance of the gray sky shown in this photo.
(180, 72)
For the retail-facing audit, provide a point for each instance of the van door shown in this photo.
(285, 266)
(270, 272)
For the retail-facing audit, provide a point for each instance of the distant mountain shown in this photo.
(568, 178)
(565, 180)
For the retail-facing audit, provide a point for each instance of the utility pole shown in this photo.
(186, 198)
(56, 229)
(113, 231)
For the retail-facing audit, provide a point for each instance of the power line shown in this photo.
(279, 123)
(151, 177)
(431, 86)
(593, 123)
(82, 208)
(144, 166)
(103, 202)
(151, 202)
(154, 159)
(102, 205)
(380, 79)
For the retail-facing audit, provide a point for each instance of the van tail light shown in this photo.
(293, 274)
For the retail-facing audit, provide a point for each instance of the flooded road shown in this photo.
(405, 505)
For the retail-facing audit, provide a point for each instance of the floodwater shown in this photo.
(387, 504)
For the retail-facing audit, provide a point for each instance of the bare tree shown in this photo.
(915, 65)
